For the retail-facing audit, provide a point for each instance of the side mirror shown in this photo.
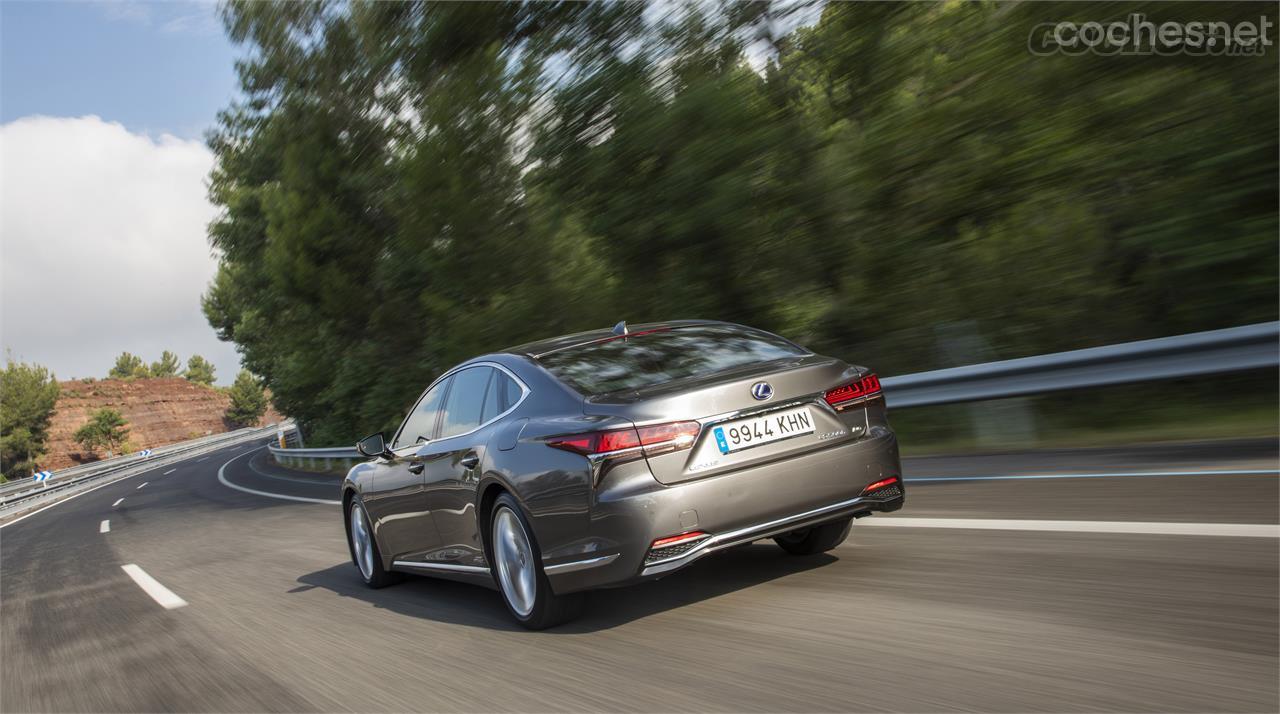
(374, 446)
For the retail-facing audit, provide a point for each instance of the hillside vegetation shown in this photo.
(158, 411)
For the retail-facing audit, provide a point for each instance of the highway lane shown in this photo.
(904, 619)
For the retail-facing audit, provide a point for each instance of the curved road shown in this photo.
(238, 601)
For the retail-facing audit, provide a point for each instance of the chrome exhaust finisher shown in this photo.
(757, 532)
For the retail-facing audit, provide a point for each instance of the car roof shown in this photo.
(554, 344)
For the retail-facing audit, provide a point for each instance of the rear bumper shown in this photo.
(733, 509)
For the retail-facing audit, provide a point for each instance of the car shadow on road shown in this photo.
(475, 606)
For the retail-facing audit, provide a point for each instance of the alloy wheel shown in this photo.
(361, 541)
(513, 554)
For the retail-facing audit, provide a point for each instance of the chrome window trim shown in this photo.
(525, 391)
(524, 394)
(444, 567)
(577, 565)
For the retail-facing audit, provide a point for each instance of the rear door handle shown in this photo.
(416, 467)
(469, 461)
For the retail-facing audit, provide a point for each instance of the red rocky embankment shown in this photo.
(159, 412)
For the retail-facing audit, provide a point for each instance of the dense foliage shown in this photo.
(167, 366)
(105, 429)
(28, 395)
(904, 185)
(248, 400)
(128, 366)
(199, 370)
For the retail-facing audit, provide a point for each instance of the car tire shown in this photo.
(517, 570)
(815, 539)
(364, 549)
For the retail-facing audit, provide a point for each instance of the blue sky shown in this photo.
(155, 67)
(103, 111)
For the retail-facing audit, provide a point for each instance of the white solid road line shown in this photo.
(117, 503)
(104, 527)
(1237, 530)
(76, 495)
(1102, 474)
(166, 473)
(144, 483)
(222, 476)
(166, 597)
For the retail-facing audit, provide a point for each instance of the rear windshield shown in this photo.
(658, 357)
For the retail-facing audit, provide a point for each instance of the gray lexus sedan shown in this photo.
(608, 457)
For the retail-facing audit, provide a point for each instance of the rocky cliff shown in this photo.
(159, 412)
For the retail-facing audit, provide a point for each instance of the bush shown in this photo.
(107, 428)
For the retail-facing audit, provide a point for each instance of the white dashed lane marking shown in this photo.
(166, 597)
(117, 503)
(104, 527)
(166, 473)
(144, 483)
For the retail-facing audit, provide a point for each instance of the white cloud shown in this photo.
(197, 17)
(103, 246)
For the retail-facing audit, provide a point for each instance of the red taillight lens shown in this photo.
(661, 438)
(656, 439)
(882, 483)
(845, 395)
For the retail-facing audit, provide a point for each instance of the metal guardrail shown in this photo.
(22, 495)
(328, 459)
(1213, 352)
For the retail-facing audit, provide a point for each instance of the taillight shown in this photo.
(846, 395)
(629, 443)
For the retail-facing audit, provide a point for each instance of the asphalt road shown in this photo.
(899, 618)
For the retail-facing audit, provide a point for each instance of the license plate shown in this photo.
(775, 426)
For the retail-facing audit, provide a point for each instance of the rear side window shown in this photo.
(657, 357)
(466, 401)
(500, 395)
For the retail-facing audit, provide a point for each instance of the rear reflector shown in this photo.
(881, 484)
(846, 395)
(672, 540)
(674, 546)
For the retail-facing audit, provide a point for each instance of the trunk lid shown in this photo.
(793, 420)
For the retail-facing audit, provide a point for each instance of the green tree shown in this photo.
(29, 395)
(491, 173)
(199, 370)
(106, 428)
(248, 400)
(168, 365)
(127, 366)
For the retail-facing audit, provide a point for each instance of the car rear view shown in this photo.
(736, 435)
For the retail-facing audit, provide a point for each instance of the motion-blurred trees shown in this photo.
(248, 400)
(106, 428)
(167, 366)
(199, 370)
(409, 184)
(28, 395)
